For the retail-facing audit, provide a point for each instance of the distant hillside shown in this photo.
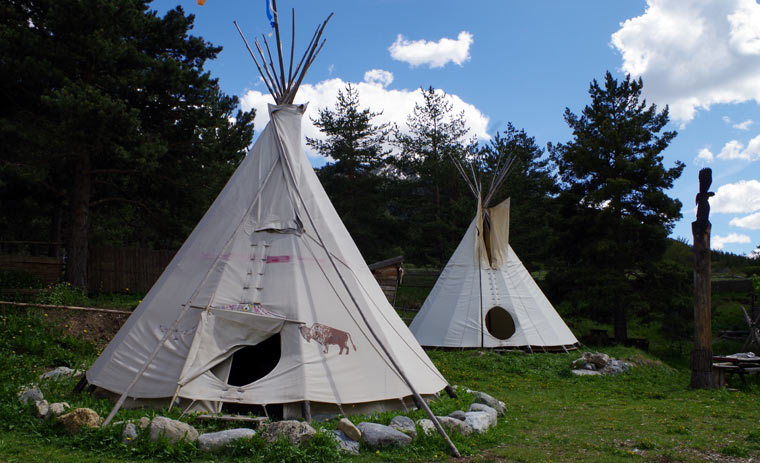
(724, 264)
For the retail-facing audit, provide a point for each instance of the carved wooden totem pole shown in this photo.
(701, 354)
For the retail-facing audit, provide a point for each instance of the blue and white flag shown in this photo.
(270, 12)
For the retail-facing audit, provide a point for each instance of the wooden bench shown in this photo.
(723, 366)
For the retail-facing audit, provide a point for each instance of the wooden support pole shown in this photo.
(306, 411)
(63, 307)
(80, 385)
(701, 354)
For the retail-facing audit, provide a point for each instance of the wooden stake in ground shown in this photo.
(701, 354)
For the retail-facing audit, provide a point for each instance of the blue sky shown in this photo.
(525, 62)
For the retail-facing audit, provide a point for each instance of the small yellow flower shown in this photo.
(377, 452)
(84, 331)
(44, 315)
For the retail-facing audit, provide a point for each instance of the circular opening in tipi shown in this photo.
(500, 323)
(251, 363)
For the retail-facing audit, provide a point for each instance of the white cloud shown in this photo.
(726, 119)
(743, 125)
(395, 105)
(737, 198)
(379, 77)
(751, 222)
(731, 150)
(705, 155)
(718, 242)
(434, 54)
(693, 54)
(735, 149)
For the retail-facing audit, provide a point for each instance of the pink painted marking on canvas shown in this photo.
(278, 259)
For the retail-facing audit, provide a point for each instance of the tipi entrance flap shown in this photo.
(221, 333)
(498, 233)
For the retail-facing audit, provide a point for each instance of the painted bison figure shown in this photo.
(327, 335)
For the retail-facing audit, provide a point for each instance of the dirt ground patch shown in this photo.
(99, 327)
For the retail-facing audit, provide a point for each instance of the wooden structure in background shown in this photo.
(47, 269)
(389, 273)
(701, 354)
(114, 270)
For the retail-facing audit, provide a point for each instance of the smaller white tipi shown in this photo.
(485, 297)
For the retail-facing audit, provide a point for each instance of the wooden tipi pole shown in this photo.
(701, 354)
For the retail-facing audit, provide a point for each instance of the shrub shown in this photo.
(62, 294)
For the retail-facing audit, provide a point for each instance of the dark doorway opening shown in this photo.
(251, 363)
(500, 323)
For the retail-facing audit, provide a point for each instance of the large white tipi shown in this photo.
(485, 297)
(269, 300)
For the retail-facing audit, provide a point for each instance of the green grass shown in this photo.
(648, 414)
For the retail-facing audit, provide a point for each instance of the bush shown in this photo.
(19, 279)
(62, 294)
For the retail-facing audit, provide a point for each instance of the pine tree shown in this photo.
(354, 176)
(107, 115)
(436, 206)
(615, 214)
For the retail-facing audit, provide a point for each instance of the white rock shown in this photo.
(59, 408)
(129, 434)
(453, 424)
(171, 429)
(404, 424)
(379, 435)
(215, 440)
(426, 425)
(59, 373)
(42, 408)
(496, 404)
(294, 431)
(585, 372)
(30, 394)
(479, 421)
(349, 429)
(458, 414)
(492, 414)
(346, 444)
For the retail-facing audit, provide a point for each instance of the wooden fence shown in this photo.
(47, 269)
(420, 278)
(116, 270)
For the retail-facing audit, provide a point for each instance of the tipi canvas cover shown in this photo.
(269, 301)
(256, 266)
(485, 297)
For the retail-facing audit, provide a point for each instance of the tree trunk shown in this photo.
(701, 354)
(54, 249)
(76, 251)
(620, 323)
